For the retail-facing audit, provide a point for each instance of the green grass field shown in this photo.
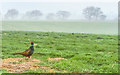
(94, 53)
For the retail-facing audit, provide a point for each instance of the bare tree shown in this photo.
(93, 13)
(12, 14)
(63, 14)
(34, 14)
(97, 13)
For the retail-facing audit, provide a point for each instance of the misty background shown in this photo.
(72, 17)
(59, 11)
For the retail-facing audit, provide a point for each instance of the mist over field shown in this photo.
(62, 26)
(81, 17)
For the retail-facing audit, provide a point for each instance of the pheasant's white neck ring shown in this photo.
(32, 45)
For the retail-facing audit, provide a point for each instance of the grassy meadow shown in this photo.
(92, 53)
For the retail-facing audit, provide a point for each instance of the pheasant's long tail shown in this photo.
(18, 53)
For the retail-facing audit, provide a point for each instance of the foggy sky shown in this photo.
(109, 8)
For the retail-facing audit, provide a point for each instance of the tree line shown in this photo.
(90, 13)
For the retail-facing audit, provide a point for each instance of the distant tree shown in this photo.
(34, 14)
(88, 12)
(51, 16)
(93, 13)
(63, 14)
(12, 14)
(102, 17)
(97, 13)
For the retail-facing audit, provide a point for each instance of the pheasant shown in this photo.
(28, 52)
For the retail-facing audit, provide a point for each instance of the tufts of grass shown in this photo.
(83, 52)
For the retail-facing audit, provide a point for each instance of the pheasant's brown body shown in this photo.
(28, 52)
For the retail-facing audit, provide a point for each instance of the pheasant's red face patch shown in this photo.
(31, 42)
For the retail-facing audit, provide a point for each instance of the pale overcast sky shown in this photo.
(59, 0)
(109, 7)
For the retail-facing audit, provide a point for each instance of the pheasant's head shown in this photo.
(32, 43)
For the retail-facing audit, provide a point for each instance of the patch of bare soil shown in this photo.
(56, 59)
(19, 65)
